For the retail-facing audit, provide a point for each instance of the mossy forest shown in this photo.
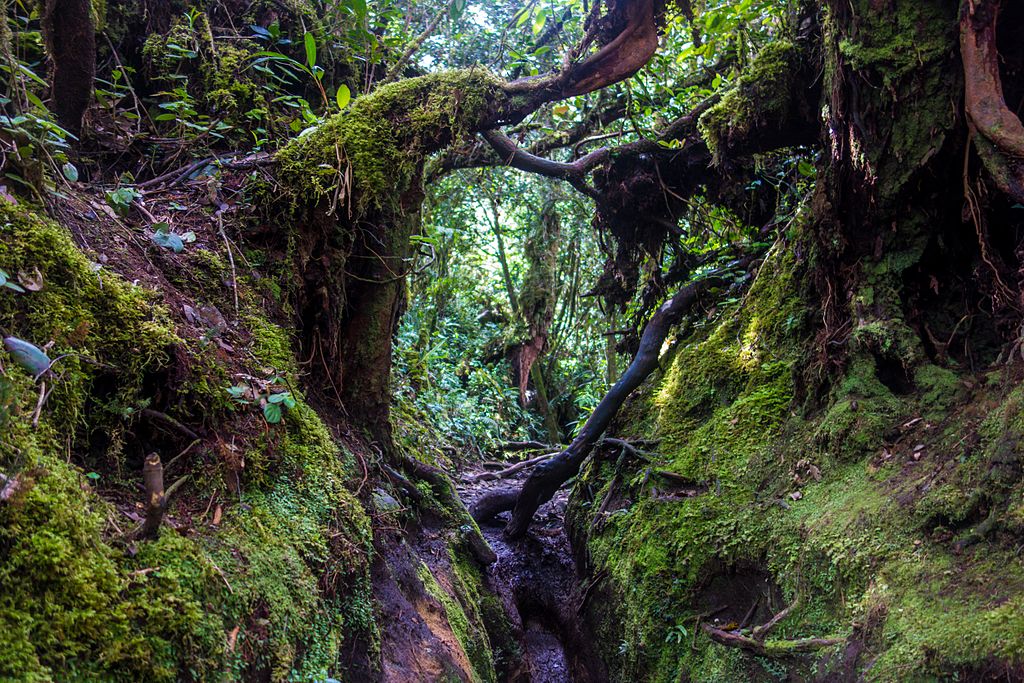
(511, 341)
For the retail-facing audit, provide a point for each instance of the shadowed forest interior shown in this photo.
(493, 341)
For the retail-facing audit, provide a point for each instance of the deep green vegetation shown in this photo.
(276, 252)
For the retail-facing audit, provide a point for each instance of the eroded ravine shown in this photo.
(537, 581)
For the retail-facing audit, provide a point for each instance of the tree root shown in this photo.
(758, 644)
(452, 506)
(998, 132)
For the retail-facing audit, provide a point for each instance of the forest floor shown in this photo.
(537, 580)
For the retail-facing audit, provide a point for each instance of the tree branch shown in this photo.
(548, 477)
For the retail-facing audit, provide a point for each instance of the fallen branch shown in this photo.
(757, 642)
(169, 421)
(548, 477)
(526, 446)
(508, 471)
(771, 648)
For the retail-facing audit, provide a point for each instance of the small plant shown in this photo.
(5, 281)
(310, 68)
(273, 404)
(677, 634)
(121, 199)
(163, 237)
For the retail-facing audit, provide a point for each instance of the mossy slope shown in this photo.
(269, 581)
(863, 515)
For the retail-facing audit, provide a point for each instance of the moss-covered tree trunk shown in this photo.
(355, 182)
(71, 45)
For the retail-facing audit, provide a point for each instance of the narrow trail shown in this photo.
(537, 580)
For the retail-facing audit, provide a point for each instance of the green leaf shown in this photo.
(457, 8)
(70, 172)
(29, 356)
(237, 391)
(272, 413)
(94, 476)
(277, 398)
(805, 168)
(359, 7)
(163, 237)
(310, 41)
(343, 96)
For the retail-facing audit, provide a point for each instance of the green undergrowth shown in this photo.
(276, 589)
(808, 505)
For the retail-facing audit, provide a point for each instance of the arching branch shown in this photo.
(549, 476)
(572, 172)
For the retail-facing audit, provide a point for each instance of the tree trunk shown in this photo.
(355, 182)
(71, 43)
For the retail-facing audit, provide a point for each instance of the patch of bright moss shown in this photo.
(274, 590)
(384, 135)
(762, 92)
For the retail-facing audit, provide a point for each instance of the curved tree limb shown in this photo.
(999, 134)
(548, 477)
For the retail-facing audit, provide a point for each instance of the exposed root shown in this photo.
(758, 644)
(999, 134)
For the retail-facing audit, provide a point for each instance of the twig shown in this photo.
(761, 632)
(223, 578)
(174, 487)
(508, 471)
(170, 421)
(526, 446)
(231, 258)
(589, 589)
(175, 459)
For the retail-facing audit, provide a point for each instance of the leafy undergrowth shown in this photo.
(889, 520)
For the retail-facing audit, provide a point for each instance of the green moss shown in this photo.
(463, 615)
(762, 93)
(384, 136)
(274, 591)
(100, 324)
(861, 536)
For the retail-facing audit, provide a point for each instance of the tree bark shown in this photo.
(998, 132)
(71, 43)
